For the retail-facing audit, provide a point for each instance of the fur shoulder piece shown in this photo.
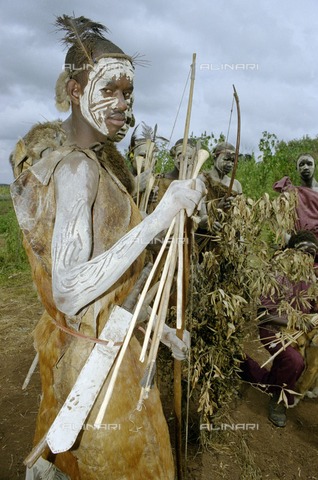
(42, 139)
(110, 158)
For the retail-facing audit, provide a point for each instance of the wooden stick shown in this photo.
(159, 327)
(164, 274)
(148, 165)
(202, 157)
(237, 147)
(181, 302)
(282, 349)
(182, 176)
(35, 453)
(180, 285)
(31, 371)
(139, 162)
(124, 347)
(146, 194)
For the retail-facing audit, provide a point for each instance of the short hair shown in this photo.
(75, 58)
(191, 141)
(86, 41)
(87, 44)
(222, 147)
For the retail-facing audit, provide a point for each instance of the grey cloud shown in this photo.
(279, 96)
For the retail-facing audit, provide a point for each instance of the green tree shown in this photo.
(278, 159)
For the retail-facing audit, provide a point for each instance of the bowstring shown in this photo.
(228, 130)
(177, 114)
(178, 111)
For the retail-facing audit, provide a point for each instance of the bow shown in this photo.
(182, 280)
(238, 139)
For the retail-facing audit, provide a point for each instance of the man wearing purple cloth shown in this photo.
(307, 208)
(289, 364)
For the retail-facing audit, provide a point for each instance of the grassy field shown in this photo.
(12, 256)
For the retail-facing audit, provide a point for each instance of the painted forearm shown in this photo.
(76, 286)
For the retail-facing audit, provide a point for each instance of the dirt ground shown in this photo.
(256, 451)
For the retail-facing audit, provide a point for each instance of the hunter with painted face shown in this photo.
(307, 194)
(103, 102)
(176, 154)
(107, 95)
(224, 156)
(306, 169)
(189, 153)
(85, 240)
(225, 162)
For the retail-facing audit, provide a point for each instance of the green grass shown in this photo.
(12, 255)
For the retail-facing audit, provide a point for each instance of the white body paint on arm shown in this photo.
(77, 279)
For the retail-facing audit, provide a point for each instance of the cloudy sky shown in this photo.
(267, 49)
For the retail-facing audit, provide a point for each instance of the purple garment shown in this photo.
(286, 368)
(307, 208)
(289, 364)
(289, 293)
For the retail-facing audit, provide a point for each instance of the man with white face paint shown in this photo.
(217, 181)
(224, 155)
(306, 168)
(98, 101)
(176, 153)
(163, 180)
(85, 241)
(307, 193)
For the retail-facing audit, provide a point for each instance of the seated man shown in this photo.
(288, 365)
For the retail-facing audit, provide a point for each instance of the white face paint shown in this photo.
(225, 162)
(306, 166)
(100, 100)
(189, 153)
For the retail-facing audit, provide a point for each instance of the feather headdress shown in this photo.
(84, 38)
(81, 37)
(147, 133)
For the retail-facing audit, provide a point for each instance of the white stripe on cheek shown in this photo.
(92, 103)
(104, 104)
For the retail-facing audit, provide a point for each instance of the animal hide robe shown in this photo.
(132, 445)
